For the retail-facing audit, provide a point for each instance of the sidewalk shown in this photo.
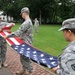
(13, 61)
(5, 71)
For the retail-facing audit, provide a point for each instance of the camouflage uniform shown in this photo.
(36, 25)
(25, 32)
(3, 49)
(3, 45)
(67, 60)
(2, 24)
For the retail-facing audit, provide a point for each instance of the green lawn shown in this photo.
(48, 39)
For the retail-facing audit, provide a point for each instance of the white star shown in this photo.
(42, 55)
(43, 60)
(23, 45)
(27, 55)
(53, 63)
(51, 58)
(21, 52)
(34, 55)
(35, 58)
(16, 48)
(28, 48)
(49, 66)
(28, 52)
(34, 52)
(22, 48)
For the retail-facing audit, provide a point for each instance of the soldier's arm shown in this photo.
(67, 64)
(21, 29)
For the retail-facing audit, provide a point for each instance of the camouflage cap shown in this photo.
(68, 24)
(25, 9)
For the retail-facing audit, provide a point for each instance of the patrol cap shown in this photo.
(25, 9)
(68, 24)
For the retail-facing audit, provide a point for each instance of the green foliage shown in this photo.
(49, 10)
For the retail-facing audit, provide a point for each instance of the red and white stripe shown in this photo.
(8, 27)
(13, 40)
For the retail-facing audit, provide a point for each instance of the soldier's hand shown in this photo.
(55, 68)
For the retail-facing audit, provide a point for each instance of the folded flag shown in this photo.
(32, 53)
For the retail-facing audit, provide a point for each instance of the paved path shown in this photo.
(13, 61)
(5, 71)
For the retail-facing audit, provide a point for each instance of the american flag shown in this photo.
(8, 27)
(31, 52)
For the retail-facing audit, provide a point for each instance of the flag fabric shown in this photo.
(31, 52)
(8, 27)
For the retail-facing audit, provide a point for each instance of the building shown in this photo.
(5, 17)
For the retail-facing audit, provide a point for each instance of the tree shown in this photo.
(45, 10)
(66, 9)
(12, 7)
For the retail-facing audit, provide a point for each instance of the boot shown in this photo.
(4, 64)
(20, 72)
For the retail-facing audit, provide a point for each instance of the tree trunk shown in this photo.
(40, 17)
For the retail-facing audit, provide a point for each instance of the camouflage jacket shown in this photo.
(66, 60)
(25, 31)
(2, 24)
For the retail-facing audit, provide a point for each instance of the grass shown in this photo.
(48, 39)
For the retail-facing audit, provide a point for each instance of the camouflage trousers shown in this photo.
(26, 63)
(3, 49)
(36, 28)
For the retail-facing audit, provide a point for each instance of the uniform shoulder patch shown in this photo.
(73, 66)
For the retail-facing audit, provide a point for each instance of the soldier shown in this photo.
(66, 60)
(36, 25)
(4, 24)
(3, 49)
(25, 32)
(3, 44)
